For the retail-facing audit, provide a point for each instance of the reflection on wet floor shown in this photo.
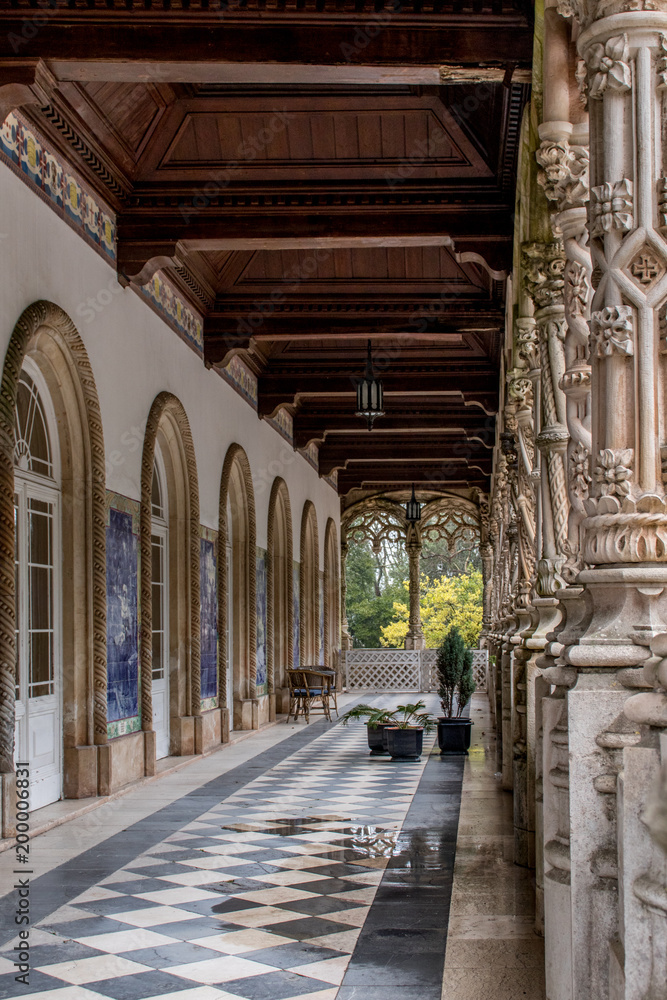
(324, 875)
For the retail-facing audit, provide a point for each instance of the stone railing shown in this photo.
(401, 669)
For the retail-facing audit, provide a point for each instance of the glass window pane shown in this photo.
(41, 664)
(40, 533)
(32, 449)
(158, 662)
(156, 495)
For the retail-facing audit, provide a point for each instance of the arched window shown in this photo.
(160, 604)
(309, 588)
(237, 606)
(279, 594)
(38, 565)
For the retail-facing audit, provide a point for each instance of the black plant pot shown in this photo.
(377, 742)
(404, 744)
(454, 735)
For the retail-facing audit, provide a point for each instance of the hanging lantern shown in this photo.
(369, 394)
(413, 509)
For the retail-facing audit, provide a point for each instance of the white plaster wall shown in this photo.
(134, 356)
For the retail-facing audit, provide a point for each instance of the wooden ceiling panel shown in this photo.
(359, 270)
(130, 108)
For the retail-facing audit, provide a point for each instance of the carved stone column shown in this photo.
(543, 267)
(415, 637)
(345, 637)
(624, 530)
(643, 834)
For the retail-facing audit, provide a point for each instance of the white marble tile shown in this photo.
(92, 970)
(219, 970)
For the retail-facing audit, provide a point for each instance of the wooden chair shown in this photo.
(307, 687)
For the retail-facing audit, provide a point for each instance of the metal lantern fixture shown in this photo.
(413, 509)
(369, 393)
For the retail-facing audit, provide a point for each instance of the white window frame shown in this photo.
(30, 485)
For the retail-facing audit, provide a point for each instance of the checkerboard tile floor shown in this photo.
(262, 898)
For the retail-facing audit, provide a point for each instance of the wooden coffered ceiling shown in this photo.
(312, 174)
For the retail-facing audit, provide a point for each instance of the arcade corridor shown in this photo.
(290, 864)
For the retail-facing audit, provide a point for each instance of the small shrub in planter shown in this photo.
(405, 736)
(377, 721)
(455, 688)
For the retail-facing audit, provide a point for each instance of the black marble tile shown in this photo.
(188, 930)
(132, 886)
(177, 953)
(37, 982)
(320, 904)
(393, 992)
(117, 904)
(327, 886)
(86, 927)
(285, 956)
(307, 927)
(229, 905)
(274, 986)
(140, 986)
(50, 954)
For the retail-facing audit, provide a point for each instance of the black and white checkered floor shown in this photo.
(262, 897)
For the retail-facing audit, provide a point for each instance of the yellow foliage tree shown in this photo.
(445, 602)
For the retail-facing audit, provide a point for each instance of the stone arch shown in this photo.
(47, 335)
(279, 593)
(168, 423)
(309, 587)
(237, 489)
(331, 594)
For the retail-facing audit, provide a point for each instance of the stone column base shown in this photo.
(251, 713)
(120, 762)
(415, 640)
(282, 700)
(224, 716)
(208, 730)
(182, 735)
(150, 753)
(8, 804)
(80, 778)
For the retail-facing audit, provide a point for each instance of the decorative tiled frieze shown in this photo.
(23, 148)
(241, 378)
(160, 292)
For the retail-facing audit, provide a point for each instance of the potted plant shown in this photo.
(405, 735)
(455, 688)
(377, 720)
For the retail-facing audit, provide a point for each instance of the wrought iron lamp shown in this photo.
(413, 509)
(369, 394)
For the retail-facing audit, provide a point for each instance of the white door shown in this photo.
(160, 607)
(38, 613)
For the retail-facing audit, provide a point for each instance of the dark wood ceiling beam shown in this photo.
(162, 39)
(329, 427)
(398, 475)
(278, 389)
(339, 452)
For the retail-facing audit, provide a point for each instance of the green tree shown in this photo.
(455, 679)
(448, 602)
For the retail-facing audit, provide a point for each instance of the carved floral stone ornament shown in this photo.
(612, 207)
(580, 477)
(564, 173)
(543, 267)
(612, 331)
(519, 388)
(609, 67)
(613, 472)
(528, 343)
(579, 289)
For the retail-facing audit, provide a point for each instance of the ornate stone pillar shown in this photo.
(624, 528)
(345, 637)
(413, 544)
